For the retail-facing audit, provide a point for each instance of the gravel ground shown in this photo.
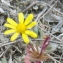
(48, 14)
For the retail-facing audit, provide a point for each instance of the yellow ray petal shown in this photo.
(21, 17)
(14, 36)
(9, 26)
(9, 31)
(31, 25)
(31, 33)
(28, 19)
(11, 21)
(25, 38)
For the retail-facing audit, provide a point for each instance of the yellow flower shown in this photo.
(23, 27)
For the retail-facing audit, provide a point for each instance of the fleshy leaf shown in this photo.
(45, 44)
(4, 60)
(27, 59)
(38, 61)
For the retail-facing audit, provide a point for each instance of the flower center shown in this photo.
(21, 28)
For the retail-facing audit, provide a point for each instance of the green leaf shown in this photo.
(41, 33)
(52, 47)
(35, 29)
(4, 60)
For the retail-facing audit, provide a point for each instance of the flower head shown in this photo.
(23, 27)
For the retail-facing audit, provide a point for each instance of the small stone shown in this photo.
(35, 7)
